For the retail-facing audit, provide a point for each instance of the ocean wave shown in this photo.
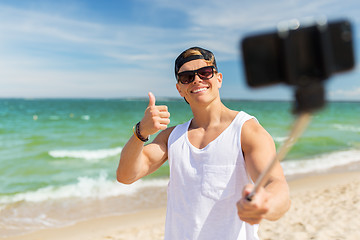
(280, 139)
(86, 154)
(85, 117)
(349, 128)
(321, 163)
(85, 187)
(54, 117)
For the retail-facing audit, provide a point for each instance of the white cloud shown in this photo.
(225, 22)
(126, 43)
(350, 93)
(37, 45)
(347, 94)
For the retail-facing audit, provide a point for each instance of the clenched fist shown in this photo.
(155, 118)
(255, 210)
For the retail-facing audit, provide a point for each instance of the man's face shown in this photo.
(200, 90)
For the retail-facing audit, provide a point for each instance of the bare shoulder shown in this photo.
(253, 127)
(253, 134)
(163, 136)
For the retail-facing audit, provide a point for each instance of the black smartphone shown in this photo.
(297, 56)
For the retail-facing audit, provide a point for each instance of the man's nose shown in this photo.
(196, 78)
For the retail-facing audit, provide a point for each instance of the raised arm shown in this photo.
(137, 160)
(272, 201)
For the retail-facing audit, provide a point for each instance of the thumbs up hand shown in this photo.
(155, 118)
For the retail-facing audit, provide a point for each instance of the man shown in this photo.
(214, 158)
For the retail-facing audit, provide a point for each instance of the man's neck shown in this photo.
(206, 116)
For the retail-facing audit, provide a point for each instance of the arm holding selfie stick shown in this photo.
(298, 129)
(308, 99)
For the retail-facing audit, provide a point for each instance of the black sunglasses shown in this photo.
(204, 73)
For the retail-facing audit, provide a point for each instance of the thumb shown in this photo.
(152, 99)
(247, 190)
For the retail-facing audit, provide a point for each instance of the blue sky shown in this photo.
(120, 49)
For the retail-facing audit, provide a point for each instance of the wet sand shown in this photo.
(325, 206)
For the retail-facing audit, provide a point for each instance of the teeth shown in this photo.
(199, 90)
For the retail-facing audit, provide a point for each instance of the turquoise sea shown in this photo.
(58, 157)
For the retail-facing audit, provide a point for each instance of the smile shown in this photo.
(199, 90)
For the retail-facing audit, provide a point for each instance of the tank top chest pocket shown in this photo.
(218, 181)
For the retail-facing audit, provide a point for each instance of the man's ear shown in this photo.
(219, 78)
(179, 90)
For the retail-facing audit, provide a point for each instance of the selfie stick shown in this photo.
(328, 50)
(299, 127)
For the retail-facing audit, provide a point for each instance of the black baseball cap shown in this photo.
(205, 54)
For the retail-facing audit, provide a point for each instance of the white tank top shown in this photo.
(205, 185)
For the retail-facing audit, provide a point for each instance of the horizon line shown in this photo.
(161, 99)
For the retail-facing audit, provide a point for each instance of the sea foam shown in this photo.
(85, 187)
(86, 154)
(321, 163)
(349, 128)
(280, 139)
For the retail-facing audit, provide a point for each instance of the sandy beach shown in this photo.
(325, 206)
